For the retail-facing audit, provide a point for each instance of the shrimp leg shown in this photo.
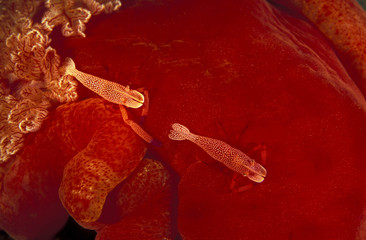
(145, 107)
(137, 128)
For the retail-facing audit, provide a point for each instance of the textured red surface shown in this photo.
(219, 68)
(144, 201)
(86, 145)
(344, 24)
(239, 64)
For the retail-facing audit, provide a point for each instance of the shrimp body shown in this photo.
(111, 91)
(233, 158)
(115, 93)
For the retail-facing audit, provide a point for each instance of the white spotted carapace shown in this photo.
(223, 152)
(115, 93)
(108, 90)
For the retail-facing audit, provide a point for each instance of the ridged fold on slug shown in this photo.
(11, 139)
(73, 19)
(37, 64)
(28, 50)
(30, 77)
(143, 203)
(18, 117)
(113, 152)
(99, 150)
(31, 66)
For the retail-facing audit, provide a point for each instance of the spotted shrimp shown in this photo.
(233, 158)
(115, 93)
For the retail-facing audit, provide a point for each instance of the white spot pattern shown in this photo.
(108, 90)
(233, 158)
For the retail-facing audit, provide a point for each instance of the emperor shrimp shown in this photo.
(115, 93)
(233, 158)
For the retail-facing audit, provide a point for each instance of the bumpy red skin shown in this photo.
(144, 201)
(237, 63)
(244, 63)
(343, 22)
(107, 156)
(85, 144)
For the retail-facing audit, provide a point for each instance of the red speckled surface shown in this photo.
(219, 67)
(343, 23)
(30, 202)
(246, 64)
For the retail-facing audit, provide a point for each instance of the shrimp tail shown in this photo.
(179, 132)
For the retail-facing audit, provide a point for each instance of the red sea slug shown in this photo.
(86, 145)
(222, 67)
(219, 68)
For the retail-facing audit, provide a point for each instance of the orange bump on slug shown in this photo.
(343, 22)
